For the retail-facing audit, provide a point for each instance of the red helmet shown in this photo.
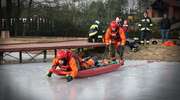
(61, 54)
(114, 25)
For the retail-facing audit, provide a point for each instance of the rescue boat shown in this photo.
(90, 72)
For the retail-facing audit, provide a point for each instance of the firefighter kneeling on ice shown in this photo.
(68, 62)
(94, 33)
(115, 40)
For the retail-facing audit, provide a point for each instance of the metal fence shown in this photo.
(28, 26)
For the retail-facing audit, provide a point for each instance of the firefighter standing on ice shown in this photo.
(115, 39)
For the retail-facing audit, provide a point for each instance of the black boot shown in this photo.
(49, 74)
(69, 78)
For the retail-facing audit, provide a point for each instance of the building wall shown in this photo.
(177, 13)
(173, 9)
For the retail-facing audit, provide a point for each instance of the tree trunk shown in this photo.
(30, 3)
(0, 10)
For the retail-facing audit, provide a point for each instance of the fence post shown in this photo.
(45, 55)
(55, 51)
(20, 56)
(5, 34)
(1, 57)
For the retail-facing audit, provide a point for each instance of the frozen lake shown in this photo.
(136, 80)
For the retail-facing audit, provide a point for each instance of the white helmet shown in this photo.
(97, 22)
(117, 19)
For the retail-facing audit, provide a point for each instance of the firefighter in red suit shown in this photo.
(115, 39)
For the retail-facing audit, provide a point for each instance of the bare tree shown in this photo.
(30, 3)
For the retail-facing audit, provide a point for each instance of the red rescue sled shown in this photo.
(90, 72)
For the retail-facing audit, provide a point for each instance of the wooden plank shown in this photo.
(48, 46)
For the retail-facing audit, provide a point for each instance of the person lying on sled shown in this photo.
(68, 62)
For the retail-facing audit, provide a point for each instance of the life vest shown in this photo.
(115, 36)
(93, 30)
(145, 24)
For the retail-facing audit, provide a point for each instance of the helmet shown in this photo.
(117, 19)
(97, 22)
(61, 54)
(113, 25)
(125, 22)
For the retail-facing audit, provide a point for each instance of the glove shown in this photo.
(49, 74)
(69, 78)
(122, 44)
(107, 44)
